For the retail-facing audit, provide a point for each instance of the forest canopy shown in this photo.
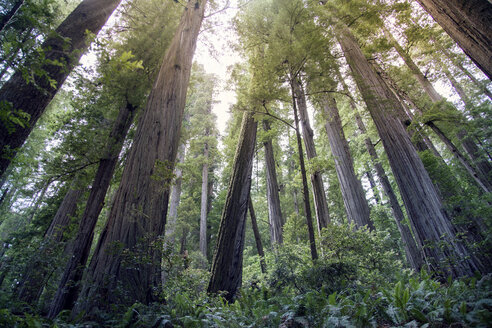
(350, 187)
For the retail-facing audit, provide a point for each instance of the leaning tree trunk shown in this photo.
(320, 203)
(69, 285)
(227, 265)
(468, 24)
(274, 209)
(352, 193)
(430, 223)
(138, 215)
(256, 232)
(38, 269)
(8, 16)
(483, 167)
(66, 47)
(413, 254)
(305, 189)
(204, 204)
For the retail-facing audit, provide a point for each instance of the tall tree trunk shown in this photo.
(256, 232)
(38, 270)
(11, 13)
(274, 209)
(468, 24)
(227, 264)
(138, 215)
(352, 192)
(204, 204)
(66, 47)
(69, 285)
(428, 219)
(175, 196)
(320, 204)
(305, 189)
(372, 183)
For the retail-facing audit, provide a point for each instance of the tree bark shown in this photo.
(352, 192)
(69, 285)
(274, 209)
(305, 189)
(128, 253)
(66, 48)
(428, 219)
(468, 24)
(8, 16)
(256, 232)
(320, 203)
(203, 205)
(228, 258)
(372, 183)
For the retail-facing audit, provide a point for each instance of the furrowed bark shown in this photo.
(274, 209)
(468, 24)
(352, 192)
(66, 48)
(320, 203)
(228, 258)
(428, 219)
(175, 196)
(128, 253)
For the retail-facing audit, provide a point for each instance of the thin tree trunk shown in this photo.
(256, 232)
(274, 209)
(204, 203)
(372, 183)
(69, 285)
(4, 21)
(305, 189)
(429, 221)
(138, 216)
(66, 47)
(227, 264)
(468, 24)
(175, 196)
(352, 192)
(320, 203)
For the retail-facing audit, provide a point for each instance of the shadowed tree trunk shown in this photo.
(468, 24)
(305, 189)
(320, 204)
(69, 285)
(227, 265)
(353, 195)
(204, 204)
(127, 254)
(274, 210)
(38, 270)
(66, 47)
(433, 230)
(372, 183)
(256, 232)
(11, 13)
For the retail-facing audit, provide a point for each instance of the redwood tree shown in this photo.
(127, 253)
